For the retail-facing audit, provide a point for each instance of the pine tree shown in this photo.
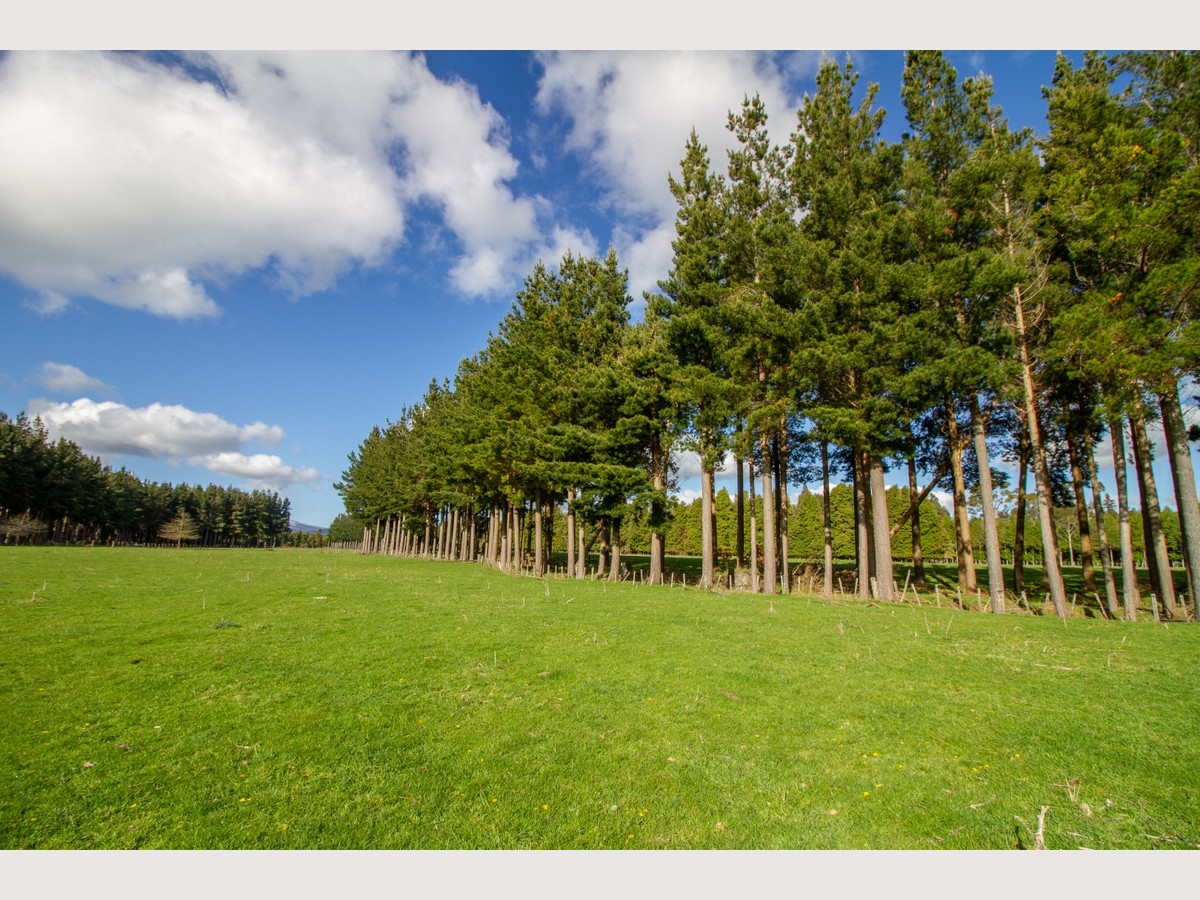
(850, 257)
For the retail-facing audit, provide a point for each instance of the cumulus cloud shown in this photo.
(945, 498)
(630, 114)
(687, 466)
(137, 184)
(61, 378)
(157, 430)
(260, 470)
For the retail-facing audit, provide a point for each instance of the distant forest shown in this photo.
(53, 491)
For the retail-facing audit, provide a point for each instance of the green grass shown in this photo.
(312, 699)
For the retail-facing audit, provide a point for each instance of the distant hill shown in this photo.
(308, 529)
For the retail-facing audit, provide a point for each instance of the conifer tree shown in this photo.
(849, 255)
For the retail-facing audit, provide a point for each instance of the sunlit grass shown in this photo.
(307, 699)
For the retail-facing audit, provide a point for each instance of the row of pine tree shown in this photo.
(841, 305)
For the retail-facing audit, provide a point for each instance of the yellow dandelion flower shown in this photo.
(866, 793)
(545, 806)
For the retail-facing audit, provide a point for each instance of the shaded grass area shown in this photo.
(313, 699)
(941, 580)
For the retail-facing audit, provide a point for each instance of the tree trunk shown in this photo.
(499, 558)
(615, 571)
(658, 461)
(862, 529)
(1153, 514)
(1110, 585)
(581, 562)
(770, 576)
(1185, 491)
(538, 560)
(753, 529)
(781, 478)
(741, 513)
(1086, 557)
(884, 578)
(1019, 513)
(571, 573)
(707, 536)
(964, 549)
(918, 557)
(826, 523)
(1041, 472)
(991, 531)
(1129, 585)
(602, 564)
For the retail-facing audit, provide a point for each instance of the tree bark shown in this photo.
(707, 537)
(991, 531)
(538, 560)
(1041, 472)
(781, 477)
(614, 573)
(964, 549)
(571, 573)
(1110, 584)
(658, 461)
(602, 563)
(826, 522)
(1157, 543)
(741, 513)
(1019, 513)
(753, 529)
(770, 576)
(918, 556)
(1185, 491)
(1129, 586)
(1086, 557)
(862, 528)
(884, 577)
(581, 562)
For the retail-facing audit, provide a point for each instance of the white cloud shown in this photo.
(687, 466)
(261, 470)
(631, 112)
(647, 256)
(136, 184)
(945, 498)
(157, 430)
(62, 378)
(630, 116)
(129, 182)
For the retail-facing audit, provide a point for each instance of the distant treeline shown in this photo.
(53, 491)
(682, 531)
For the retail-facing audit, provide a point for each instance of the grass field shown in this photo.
(313, 699)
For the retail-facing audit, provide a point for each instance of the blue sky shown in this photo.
(228, 266)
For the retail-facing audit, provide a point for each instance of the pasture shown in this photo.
(320, 699)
